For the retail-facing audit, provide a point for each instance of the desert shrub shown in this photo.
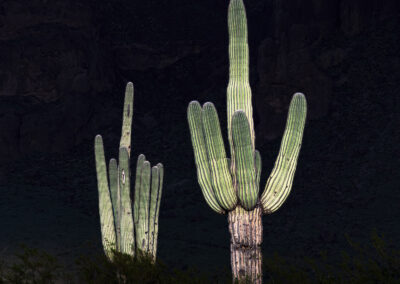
(362, 265)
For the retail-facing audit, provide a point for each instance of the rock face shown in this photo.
(55, 64)
(51, 68)
(302, 50)
(59, 59)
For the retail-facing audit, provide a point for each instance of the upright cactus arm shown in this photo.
(238, 91)
(142, 205)
(280, 181)
(127, 118)
(148, 189)
(138, 180)
(157, 212)
(220, 175)
(115, 199)
(108, 234)
(257, 164)
(247, 189)
(155, 197)
(194, 116)
(127, 233)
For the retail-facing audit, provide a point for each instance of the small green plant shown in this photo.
(232, 185)
(119, 228)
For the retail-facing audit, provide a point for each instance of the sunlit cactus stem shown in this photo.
(115, 206)
(231, 185)
(147, 204)
(107, 225)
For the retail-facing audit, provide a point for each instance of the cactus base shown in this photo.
(246, 229)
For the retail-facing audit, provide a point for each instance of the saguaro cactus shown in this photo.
(115, 207)
(232, 185)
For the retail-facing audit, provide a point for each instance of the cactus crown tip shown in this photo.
(123, 148)
(98, 139)
(208, 105)
(239, 112)
(193, 104)
(299, 94)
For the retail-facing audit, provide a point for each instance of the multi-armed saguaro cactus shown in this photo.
(117, 222)
(232, 185)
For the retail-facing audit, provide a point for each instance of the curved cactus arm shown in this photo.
(194, 116)
(115, 199)
(238, 91)
(127, 233)
(127, 118)
(220, 175)
(247, 189)
(142, 225)
(105, 207)
(258, 165)
(157, 212)
(280, 181)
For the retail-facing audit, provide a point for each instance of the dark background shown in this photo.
(64, 65)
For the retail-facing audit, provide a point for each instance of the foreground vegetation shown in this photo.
(376, 264)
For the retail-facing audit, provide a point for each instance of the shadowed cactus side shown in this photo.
(120, 229)
(232, 185)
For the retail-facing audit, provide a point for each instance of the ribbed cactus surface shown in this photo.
(232, 185)
(121, 229)
(225, 182)
(107, 225)
(280, 180)
(147, 204)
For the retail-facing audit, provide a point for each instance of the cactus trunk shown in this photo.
(246, 229)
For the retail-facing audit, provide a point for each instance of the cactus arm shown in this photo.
(154, 206)
(127, 118)
(115, 199)
(142, 227)
(157, 212)
(127, 233)
(155, 179)
(194, 116)
(220, 175)
(238, 91)
(247, 190)
(257, 163)
(280, 181)
(136, 204)
(105, 207)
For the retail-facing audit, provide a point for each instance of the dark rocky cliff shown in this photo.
(64, 65)
(60, 60)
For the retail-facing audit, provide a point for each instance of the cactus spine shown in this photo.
(232, 185)
(118, 225)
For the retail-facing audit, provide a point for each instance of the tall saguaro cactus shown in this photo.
(232, 185)
(119, 228)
